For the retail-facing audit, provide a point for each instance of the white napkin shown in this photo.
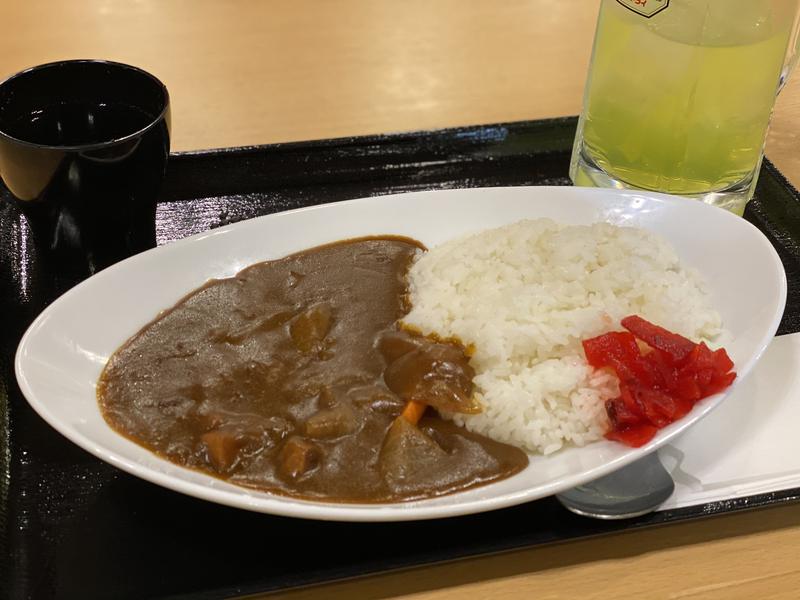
(751, 443)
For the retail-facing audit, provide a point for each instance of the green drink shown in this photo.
(679, 101)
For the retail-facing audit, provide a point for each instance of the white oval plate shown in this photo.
(63, 352)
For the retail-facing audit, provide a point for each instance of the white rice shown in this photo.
(526, 295)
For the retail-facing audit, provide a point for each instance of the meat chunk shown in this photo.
(223, 448)
(394, 344)
(297, 457)
(332, 422)
(434, 373)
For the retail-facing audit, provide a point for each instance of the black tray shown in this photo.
(72, 526)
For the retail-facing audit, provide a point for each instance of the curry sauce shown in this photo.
(289, 377)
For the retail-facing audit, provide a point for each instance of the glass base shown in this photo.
(585, 172)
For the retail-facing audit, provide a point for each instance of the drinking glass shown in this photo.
(680, 93)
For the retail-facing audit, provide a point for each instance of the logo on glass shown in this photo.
(646, 8)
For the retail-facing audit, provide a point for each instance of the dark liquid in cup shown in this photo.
(73, 123)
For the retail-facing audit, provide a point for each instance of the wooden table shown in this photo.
(258, 71)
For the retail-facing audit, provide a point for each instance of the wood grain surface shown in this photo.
(259, 71)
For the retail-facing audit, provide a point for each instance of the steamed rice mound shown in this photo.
(525, 295)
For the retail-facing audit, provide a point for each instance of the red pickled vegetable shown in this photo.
(659, 386)
(675, 346)
(620, 415)
(618, 350)
(659, 408)
(722, 362)
(635, 436)
(687, 388)
(720, 382)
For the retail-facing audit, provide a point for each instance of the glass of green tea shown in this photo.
(679, 96)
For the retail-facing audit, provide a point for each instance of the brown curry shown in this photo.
(290, 376)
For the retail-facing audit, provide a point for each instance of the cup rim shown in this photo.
(96, 145)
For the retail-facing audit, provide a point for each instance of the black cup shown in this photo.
(83, 152)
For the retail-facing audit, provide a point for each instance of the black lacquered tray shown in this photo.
(72, 526)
